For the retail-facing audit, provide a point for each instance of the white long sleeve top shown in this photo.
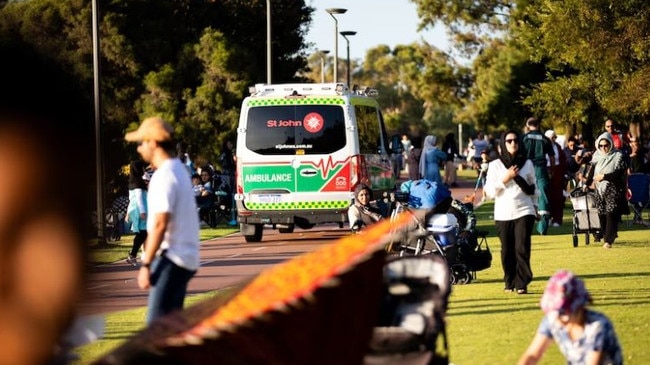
(510, 202)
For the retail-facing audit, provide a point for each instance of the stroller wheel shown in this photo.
(468, 277)
(464, 278)
(452, 278)
(575, 241)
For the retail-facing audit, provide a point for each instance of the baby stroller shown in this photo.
(585, 214)
(411, 328)
(222, 208)
(114, 219)
(439, 234)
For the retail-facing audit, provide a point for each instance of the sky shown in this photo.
(376, 22)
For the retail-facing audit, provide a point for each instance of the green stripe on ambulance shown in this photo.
(263, 177)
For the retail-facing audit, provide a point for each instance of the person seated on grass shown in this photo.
(584, 336)
(205, 198)
(197, 185)
(362, 213)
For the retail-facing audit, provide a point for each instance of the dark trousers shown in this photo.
(609, 226)
(168, 287)
(515, 251)
(138, 240)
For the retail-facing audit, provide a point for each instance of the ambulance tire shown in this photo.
(288, 229)
(257, 236)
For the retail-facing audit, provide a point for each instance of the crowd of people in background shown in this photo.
(531, 175)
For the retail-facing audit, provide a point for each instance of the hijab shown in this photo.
(359, 189)
(517, 159)
(429, 144)
(508, 160)
(606, 162)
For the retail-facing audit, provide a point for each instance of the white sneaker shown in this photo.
(607, 245)
(555, 224)
(132, 260)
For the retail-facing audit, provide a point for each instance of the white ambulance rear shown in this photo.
(301, 150)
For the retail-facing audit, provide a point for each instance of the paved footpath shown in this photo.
(225, 261)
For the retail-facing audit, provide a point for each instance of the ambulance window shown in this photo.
(369, 129)
(295, 129)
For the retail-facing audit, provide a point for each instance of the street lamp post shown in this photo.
(322, 53)
(346, 34)
(268, 42)
(99, 169)
(331, 12)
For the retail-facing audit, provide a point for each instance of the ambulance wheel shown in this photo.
(257, 236)
(288, 229)
(575, 240)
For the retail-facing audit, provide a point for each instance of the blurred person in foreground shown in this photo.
(44, 222)
(171, 252)
(584, 336)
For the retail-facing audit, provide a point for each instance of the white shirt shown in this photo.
(510, 202)
(170, 191)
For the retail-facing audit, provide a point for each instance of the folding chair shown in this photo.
(639, 185)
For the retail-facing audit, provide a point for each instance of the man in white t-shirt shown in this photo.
(171, 254)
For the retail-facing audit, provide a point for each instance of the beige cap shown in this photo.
(153, 128)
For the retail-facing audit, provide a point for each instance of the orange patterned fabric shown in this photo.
(284, 284)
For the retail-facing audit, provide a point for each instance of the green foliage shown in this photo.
(155, 59)
(415, 82)
(566, 61)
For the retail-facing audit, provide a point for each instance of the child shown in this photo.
(583, 336)
(197, 185)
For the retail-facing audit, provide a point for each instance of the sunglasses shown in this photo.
(603, 145)
(514, 140)
(608, 126)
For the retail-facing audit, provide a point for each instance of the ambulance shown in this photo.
(301, 151)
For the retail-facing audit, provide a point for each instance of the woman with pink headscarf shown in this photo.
(584, 336)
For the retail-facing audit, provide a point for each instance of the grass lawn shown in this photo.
(488, 326)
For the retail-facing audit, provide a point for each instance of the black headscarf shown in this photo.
(509, 160)
(136, 171)
(517, 159)
(361, 187)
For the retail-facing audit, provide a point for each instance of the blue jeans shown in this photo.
(168, 287)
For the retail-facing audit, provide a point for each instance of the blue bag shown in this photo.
(425, 194)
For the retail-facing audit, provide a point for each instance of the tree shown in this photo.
(570, 61)
(599, 50)
(420, 87)
(152, 61)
